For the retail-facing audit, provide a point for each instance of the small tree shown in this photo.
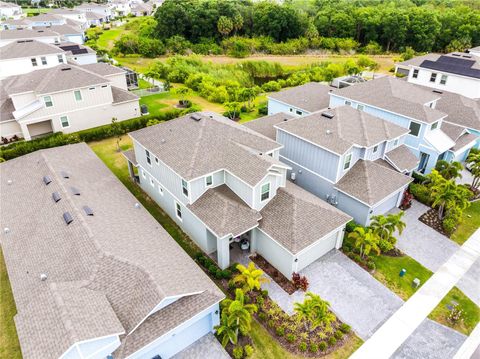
(239, 314)
(183, 92)
(449, 170)
(250, 278)
(366, 240)
(385, 227)
(314, 312)
(473, 160)
(247, 94)
(237, 22)
(446, 194)
(226, 331)
(117, 132)
(233, 109)
(225, 25)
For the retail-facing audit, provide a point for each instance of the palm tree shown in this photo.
(238, 313)
(396, 222)
(226, 332)
(250, 277)
(314, 312)
(366, 239)
(386, 226)
(449, 170)
(474, 160)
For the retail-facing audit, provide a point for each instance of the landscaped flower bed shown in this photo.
(430, 218)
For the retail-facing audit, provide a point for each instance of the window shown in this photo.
(91, 88)
(348, 160)
(375, 149)
(64, 121)
(291, 110)
(414, 128)
(143, 174)
(360, 107)
(395, 143)
(60, 59)
(433, 77)
(299, 112)
(149, 160)
(265, 192)
(44, 60)
(157, 161)
(78, 95)
(348, 103)
(178, 210)
(208, 181)
(34, 61)
(103, 86)
(415, 73)
(152, 183)
(434, 125)
(160, 190)
(443, 79)
(185, 187)
(48, 101)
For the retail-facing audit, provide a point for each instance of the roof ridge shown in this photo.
(364, 127)
(197, 146)
(294, 222)
(368, 179)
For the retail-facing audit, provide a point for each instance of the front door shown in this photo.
(423, 162)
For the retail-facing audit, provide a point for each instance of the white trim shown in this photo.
(75, 345)
(467, 146)
(269, 191)
(45, 102)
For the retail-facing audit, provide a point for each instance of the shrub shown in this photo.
(332, 341)
(421, 193)
(263, 110)
(248, 350)
(302, 347)
(313, 348)
(419, 178)
(260, 300)
(322, 346)
(212, 270)
(262, 316)
(290, 338)
(264, 293)
(371, 264)
(351, 226)
(226, 274)
(271, 86)
(280, 331)
(449, 224)
(345, 328)
(338, 334)
(218, 274)
(271, 323)
(238, 352)
(300, 282)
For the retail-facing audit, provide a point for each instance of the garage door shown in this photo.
(387, 205)
(323, 246)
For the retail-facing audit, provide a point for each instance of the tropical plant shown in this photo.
(250, 278)
(238, 313)
(385, 227)
(449, 170)
(473, 160)
(447, 195)
(366, 240)
(225, 25)
(314, 312)
(226, 331)
(300, 282)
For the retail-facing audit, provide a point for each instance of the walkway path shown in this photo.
(395, 331)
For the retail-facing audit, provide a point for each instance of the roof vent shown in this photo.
(43, 277)
(65, 174)
(458, 55)
(6, 230)
(66, 69)
(75, 191)
(437, 91)
(47, 180)
(137, 205)
(196, 117)
(88, 211)
(9, 182)
(163, 140)
(328, 132)
(328, 114)
(56, 196)
(67, 217)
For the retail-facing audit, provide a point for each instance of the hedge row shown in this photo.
(93, 134)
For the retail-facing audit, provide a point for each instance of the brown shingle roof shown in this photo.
(265, 125)
(394, 95)
(402, 158)
(120, 95)
(370, 182)
(27, 48)
(120, 253)
(348, 127)
(310, 97)
(26, 34)
(103, 69)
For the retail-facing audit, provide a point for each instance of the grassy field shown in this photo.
(471, 222)
(34, 10)
(9, 345)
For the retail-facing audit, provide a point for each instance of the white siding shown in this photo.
(321, 247)
(275, 106)
(24, 65)
(275, 182)
(275, 254)
(240, 188)
(198, 186)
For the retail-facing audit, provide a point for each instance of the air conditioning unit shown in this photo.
(293, 176)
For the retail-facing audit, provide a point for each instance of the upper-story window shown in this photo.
(375, 149)
(434, 125)
(415, 73)
(348, 103)
(433, 77)
(395, 143)
(208, 181)
(157, 161)
(185, 187)
(147, 154)
(414, 128)
(265, 192)
(34, 61)
(44, 60)
(60, 59)
(347, 162)
(48, 101)
(291, 109)
(78, 95)
(360, 107)
(178, 210)
(443, 80)
(64, 121)
(299, 112)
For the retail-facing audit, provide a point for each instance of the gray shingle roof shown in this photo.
(120, 253)
(370, 182)
(402, 158)
(461, 110)
(310, 97)
(28, 48)
(195, 148)
(26, 34)
(103, 69)
(296, 218)
(418, 60)
(464, 140)
(120, 95)
(348, 127)
(265, 125)
(224, 212)
(396, 96)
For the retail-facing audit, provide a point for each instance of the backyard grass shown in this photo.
(9, 345)
(107, 39)
(34, 10)
(470, 223)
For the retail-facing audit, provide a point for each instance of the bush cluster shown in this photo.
(421, 193)
(212, 267)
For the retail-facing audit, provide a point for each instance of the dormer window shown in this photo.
(375, 149)
(415, 73)
(185, 187)
(147, 155)
(347, 162)
(443, 80)
(208, 181)
(48, 101)
(34, 61)
(433, 77)
(434, 125)
(265, 192)
(44, 60)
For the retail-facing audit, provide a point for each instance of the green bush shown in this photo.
(332, 341)
(280, 331)
(345, 328)
(302, 347)
(271, 323)
(322, 346)
(421, 193)
(449, 224)
(290, 338)
(262, 316)
(313, 348)
(238, 352)
(226, 274)
(248, 350)
(264, 293)
(338, 334)
(263, 110)
(271, 86)
(419, 178)
(351, 226)
(260, 301)
(218, 274)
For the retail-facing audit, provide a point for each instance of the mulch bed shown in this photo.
(430, 218)
(278, 277)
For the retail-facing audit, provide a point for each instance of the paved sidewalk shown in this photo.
(398, 328)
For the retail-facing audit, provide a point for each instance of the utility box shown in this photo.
(402, 272)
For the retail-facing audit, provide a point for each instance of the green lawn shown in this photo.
(470, 223)
(9, 345)
(107, 39)
(387, 272)
(34, 10)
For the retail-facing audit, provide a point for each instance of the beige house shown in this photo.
(64, 98)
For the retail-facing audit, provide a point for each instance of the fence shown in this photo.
(148, 92)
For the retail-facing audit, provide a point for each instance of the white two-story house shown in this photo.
(350, 159)
(225, 187)
(455, 72)
(9, 10)
(64, 98)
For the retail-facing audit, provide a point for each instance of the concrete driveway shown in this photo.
(207, 347)
(432, 249)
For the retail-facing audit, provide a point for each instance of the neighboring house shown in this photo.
(141, 9)
(43, 20)
(455, 72)
(78, 54)
(93, 274)
(9, 10)
(223, 185)
(10, 24)
(103, 11)
(94, 19)
(71, 14)
(121, 7)
(350, 159)
(409, 106)
(300, 100)
(44, 35)
(475, 51)
(69, 33)
(64, 98)
(46, 20)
